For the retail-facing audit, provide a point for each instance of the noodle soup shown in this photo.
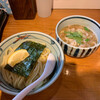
(78, 36)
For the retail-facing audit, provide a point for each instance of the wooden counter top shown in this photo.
(80, 78)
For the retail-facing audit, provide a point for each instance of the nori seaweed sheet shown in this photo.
(24, 67)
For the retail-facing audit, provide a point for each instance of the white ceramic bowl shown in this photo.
(50, 42)
(80, 20)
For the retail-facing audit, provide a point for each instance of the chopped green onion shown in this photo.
(76, 36)
(87, 40)
(86, 29)
(66, 32)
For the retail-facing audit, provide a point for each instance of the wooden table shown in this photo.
(80, 78)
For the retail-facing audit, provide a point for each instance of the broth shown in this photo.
(78, 36)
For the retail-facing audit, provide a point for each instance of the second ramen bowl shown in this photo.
(39, 37)
(73, 51)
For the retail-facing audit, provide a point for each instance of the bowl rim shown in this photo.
(76, 16)
(53, 79)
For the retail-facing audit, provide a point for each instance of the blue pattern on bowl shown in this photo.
(80, 20)
(39, 37)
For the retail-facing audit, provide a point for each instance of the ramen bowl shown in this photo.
(40, 37)
(89, 23)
